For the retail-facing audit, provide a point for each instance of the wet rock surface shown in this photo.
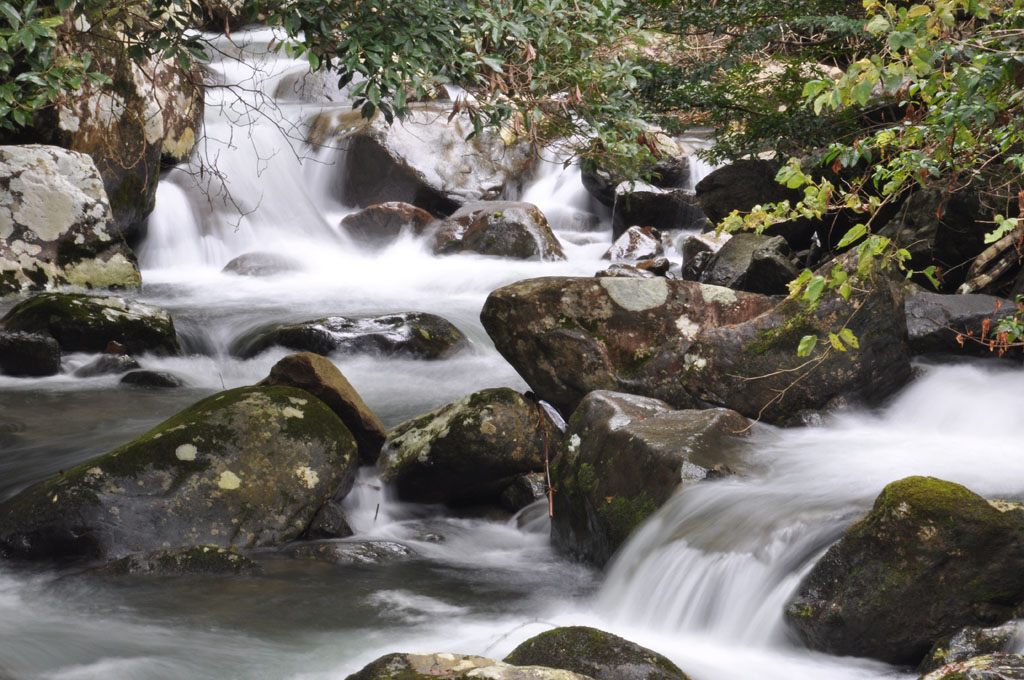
(455, 666)
(28, 354)
(500, 228)
(262, 264)
(378, 225)
(197, 561)
(968, 643)
(756, 264)
(352, 553)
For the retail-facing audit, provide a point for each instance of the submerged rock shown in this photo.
(55, 224)
(595, 654)
(412, 334)
(153, 379)
(381, 224)
(262, 264)
(206, 560)
(986, 667)
(348, 553)
(623, 457)
(108, 364)
(244, 468)
(28, 354)
(456, 667)
(930, 558)
(89, 323)
(468, 451)
(502, 228)
(321, 378)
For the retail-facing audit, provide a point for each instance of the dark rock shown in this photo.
(262, 264)
(756, 264)
(502, 228)
(740, 186)
(671, 170)
(650, 206)
(412, 334)
(58, 226)
(28, 354)
(659, 266)
(321, 378)
(206, 560)
(155, 379)
(248, 467)
(987, 667)
(968, 643)
(345, 553)
(108, 364)
(930, 558)
(469, 450)
(628, 271)
(595, 654)
(698, 250)
(329, 522)
(934, 321)
(623, 457)
(381, 224)
(455, 667)
(636, 244)
(88, 323)
(522, 491)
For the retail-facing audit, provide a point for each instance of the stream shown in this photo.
(704, 581)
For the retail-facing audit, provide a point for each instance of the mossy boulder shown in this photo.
(501, 228)
(456, 667)
(968, 643)
(985, 667)
(623, 457)
(28, 354)
(570, 336)
(318, 376)
(56, 227)
(469, 450)
(379, 225)
(245, 468)
(89, 323)
(203, 560)
(930, 558)
(594, 653)
(416, 335)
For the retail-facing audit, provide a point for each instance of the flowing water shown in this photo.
(704, 581)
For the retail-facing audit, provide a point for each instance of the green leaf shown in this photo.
(854, 234)
(806, 345)
(878, 24)
(814, 289)
(850, 338)
(836, 342)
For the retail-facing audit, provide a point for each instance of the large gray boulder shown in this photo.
(455, 667)
(241, 469)
(935, 321)
(502, 228)
(55, 224)
(470, 450)
(930, 558)
(89, 323)
(754, 263)
(623, 457)
(646, 205)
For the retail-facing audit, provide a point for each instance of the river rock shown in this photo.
(522, 491)
(740, 186)
(416, 335)
(152, 379)
(670, 169)
(426, 159)
(502, 228)
(456, 667)
(28, 354)
(754, 263)
(646, 205)
(698, 250)
(934, 321)
(262, 264)
(469, 450)
(244, 468)
(626, 271)
(205, 560)
(968, 643)
(381, 224)
(88, 323)
(595, 654)
(623, 457)
(329, 522)
(637, 243)
(930, 558)
(108, 364)
(321, 378)
(55, 224)
(349, 553)
(986, 667)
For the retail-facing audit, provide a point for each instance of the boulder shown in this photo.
(108, 364)
(595, 654)
(671, 169)
(930, 558)
(455, 667)
(627, 271)
(321, 378)
(205, 560)
(152, 379)
(637, 243)
(985, 667)
(502, 228)
(381, 224)
(934, 321)
(469, 450)
(756, 264)
(262, 264)
(28, 354)
(426, 159)
(623, 457)
(698, 250)
(88, 323)
(245, 468)
(647, 205)
(345, 553)
(522, 491)
(968, 643)
(740, 186)
(411, 334)
(55, 224)
(329, 522)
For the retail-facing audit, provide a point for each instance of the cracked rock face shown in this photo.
(55, 224)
